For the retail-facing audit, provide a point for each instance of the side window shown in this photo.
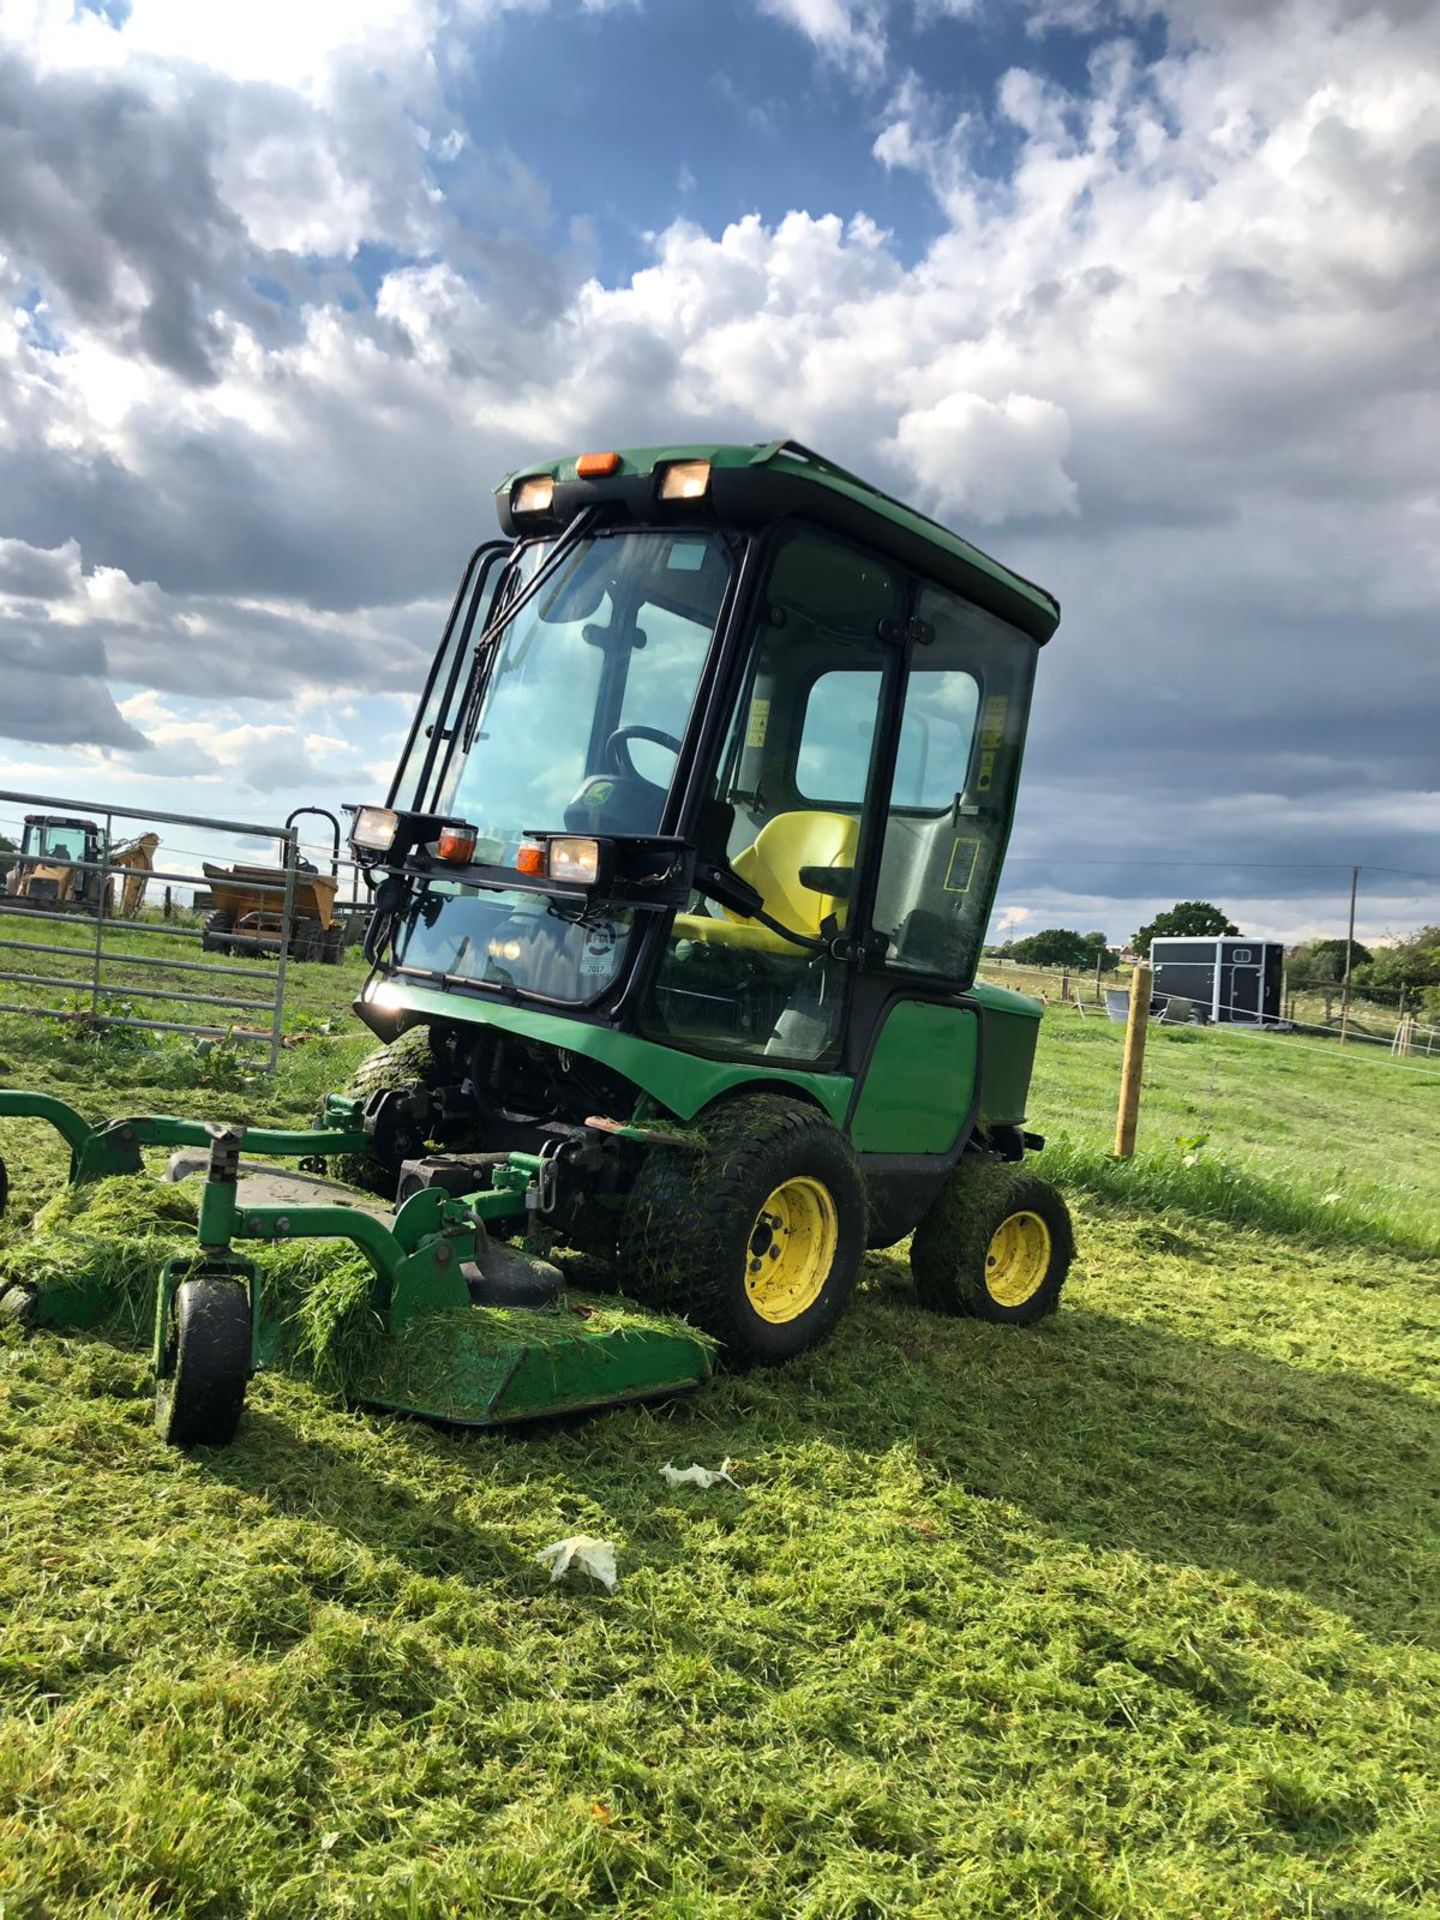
(937, 731)
(965, 700)
(836, 735)
(786, 813)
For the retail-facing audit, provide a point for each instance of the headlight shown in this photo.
(374, 829)
(505, 949)
(685, 480)
(575, 861)
(535, 495)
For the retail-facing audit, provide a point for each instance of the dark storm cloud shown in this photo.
(61, 710)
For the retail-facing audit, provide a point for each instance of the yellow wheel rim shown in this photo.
(1018, 1259)
(792, 1249)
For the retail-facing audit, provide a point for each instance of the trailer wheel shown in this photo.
(200, 1389)
(332, 944)
(757, 1237)
(997, 1243)
(217, 926)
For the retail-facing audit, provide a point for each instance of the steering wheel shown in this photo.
(617, 750)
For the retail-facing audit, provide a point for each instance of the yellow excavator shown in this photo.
(58, 868)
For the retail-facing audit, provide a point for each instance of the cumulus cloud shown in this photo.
(849, 32)
(989, 460)
(1179, 355)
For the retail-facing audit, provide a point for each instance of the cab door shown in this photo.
(955, 734)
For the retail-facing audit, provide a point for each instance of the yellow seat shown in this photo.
(772, 866)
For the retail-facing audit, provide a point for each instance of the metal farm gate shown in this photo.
(65, 929)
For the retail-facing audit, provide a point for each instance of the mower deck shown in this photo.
(458, 1327)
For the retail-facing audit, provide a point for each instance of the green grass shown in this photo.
(1282, 1132)
(1134, 1615)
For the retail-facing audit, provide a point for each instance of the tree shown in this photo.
(1321, 963)
(1413, 962)
(1186, 920)
(1059, 947)
(7, 847)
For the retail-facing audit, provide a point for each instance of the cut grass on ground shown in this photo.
(1134, 1615)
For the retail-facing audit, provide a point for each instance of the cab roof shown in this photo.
(765, 482)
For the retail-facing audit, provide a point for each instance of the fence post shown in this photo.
(1128, 1116)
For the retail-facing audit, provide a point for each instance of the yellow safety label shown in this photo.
(963, 857)
(992, 738)
(759, 723)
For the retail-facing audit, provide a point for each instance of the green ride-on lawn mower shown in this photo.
(679, 891)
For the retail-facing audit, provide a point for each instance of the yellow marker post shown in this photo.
(1129, 1114)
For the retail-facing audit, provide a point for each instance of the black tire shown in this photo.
(200, 1389)
(217, 925)
(407, 1065)
(700, 1228)
(305, 940)
(962, 1265)
(332, 944)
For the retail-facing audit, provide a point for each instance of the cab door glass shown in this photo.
(787, 813)
(966, 692)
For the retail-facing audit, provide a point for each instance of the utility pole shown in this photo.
(1349, 959)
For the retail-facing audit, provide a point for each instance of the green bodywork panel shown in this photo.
(917, 1089)
(921, 1080)
(1012, 1027)
(681, 1082)
(782, 456)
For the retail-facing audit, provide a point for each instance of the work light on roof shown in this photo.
(685, 480)
(535, 495)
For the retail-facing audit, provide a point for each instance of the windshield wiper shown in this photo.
(574, 533)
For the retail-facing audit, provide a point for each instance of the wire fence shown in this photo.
(79, 943)
(1406, 1035)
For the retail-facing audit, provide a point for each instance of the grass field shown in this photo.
(1137, 1614)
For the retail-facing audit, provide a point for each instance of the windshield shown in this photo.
(585, 702)
(588, 692)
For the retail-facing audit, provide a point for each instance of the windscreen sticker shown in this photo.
(598, 959)
(759, 723)
(992, 738)
(686, 556)
(963, 857)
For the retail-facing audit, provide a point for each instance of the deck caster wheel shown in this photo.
(997, 1243)
(20, 1305)
(200, 1389)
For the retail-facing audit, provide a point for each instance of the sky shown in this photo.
(1145, 299)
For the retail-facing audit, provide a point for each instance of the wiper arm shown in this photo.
(469, 706)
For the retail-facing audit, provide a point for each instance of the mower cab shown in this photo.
(679, 891)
